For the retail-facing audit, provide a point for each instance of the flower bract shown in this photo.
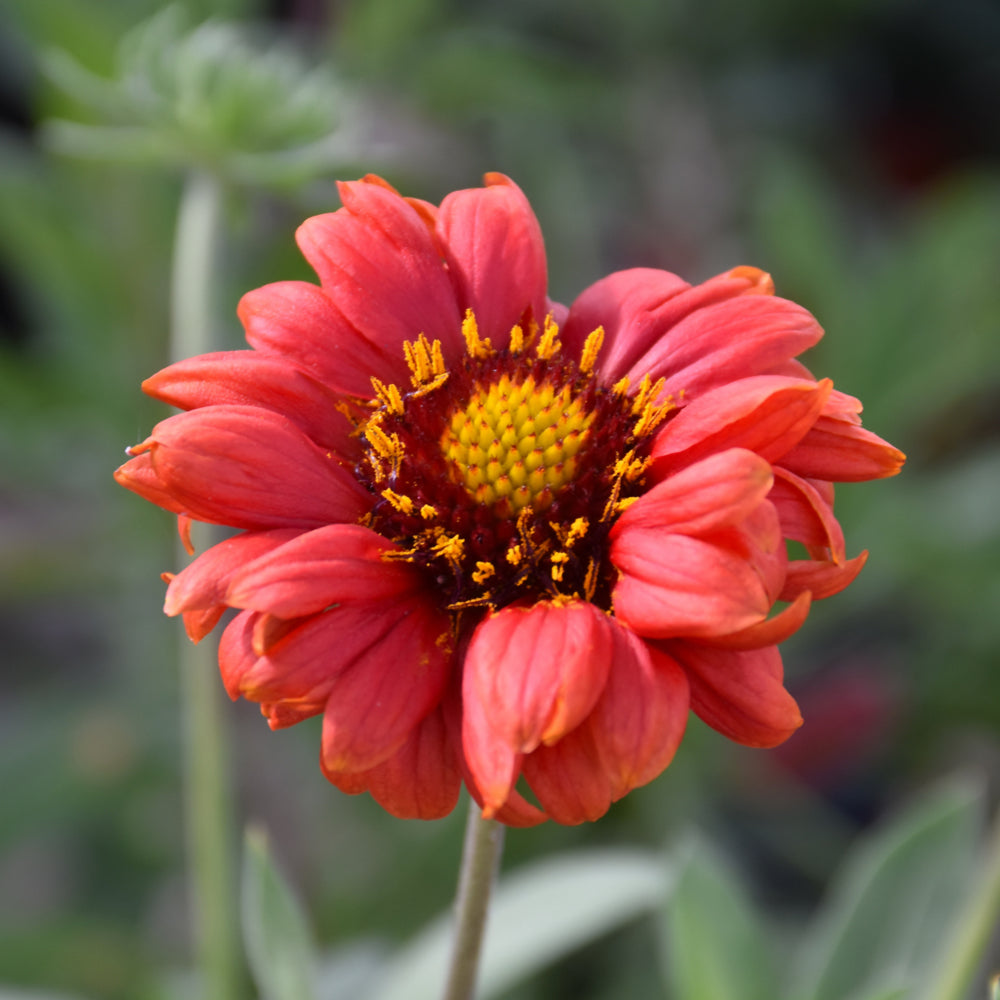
(496, 541)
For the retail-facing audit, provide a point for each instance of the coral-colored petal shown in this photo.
(767, 414)
(247, 467)
(820, 577)
(253, 379)
(805, 515)
(335, 564)
(421, 780)
(638, 308)
(842, 451)
(531, 675)
(568, 779)
(139, 476)
(298, 321)
(717, 492)
(769, 632)
(739, 693)
(375, 704)
(725, 341)
(640, 719)
(202, 585)
(678, 585)
(496, 257)
(376, 258)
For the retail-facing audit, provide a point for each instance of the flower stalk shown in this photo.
(208, 805)
(480, 861)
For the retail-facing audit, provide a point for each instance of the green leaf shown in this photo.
(888, 910)
(275, 932)
(716, 948)
(538, 915)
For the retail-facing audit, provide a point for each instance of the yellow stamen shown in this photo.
(389, 396)
(620, 388)
(577, 530)
(591, 347)
(401, 503)
(427, 512)
(476, 346)
(548, 345)
(483, 571)
(450, 547)
(425, 360)
(516, 339)
(590, 580)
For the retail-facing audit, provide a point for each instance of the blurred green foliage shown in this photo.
(685, 135)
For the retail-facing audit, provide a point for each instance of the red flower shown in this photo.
(485, 545)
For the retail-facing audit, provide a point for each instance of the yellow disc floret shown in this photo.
(515, 442)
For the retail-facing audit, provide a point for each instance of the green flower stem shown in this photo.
(973, 929)
(208, 801)
(480, 860)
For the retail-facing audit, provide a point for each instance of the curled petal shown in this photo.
(568, 779)
(236, 653)
(139, 476)
(531, 676)
(251, 379)
(335, 564)
(298, 321)
(246, 467)
(767, 414)
(734, 339)
(820, 577)
(202, 585)
(376, 257)
(496, 257)
(739, 693)
(844, 452)
(718, 492)
(806, 516)
(769, 632)
(421, 780)
(638, 308)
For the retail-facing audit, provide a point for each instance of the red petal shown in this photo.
(496, 257)
(249, 468)
(374, 705)
(725, 341)
(767, 414)
(421, 780)
(819, 577)
(717, 492)
(253, 379)
(531, 675)
(300, 322)
(379, 264)
(335, 564)
(739, 693)
(805, 515)
(638, 307)
(842, 451)
(236, 652)
(769, 632)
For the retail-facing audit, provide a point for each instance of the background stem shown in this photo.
(480, 860)
(973, 929)
(208, 799)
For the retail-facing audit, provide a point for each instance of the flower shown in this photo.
(492, 538)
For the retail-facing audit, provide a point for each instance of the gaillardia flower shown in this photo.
(491, 538)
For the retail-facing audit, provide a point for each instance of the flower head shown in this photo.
(489, 537)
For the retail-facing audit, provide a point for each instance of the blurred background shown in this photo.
(851, 148)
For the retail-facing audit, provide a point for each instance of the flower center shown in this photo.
(517, 441)
(502, 476)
